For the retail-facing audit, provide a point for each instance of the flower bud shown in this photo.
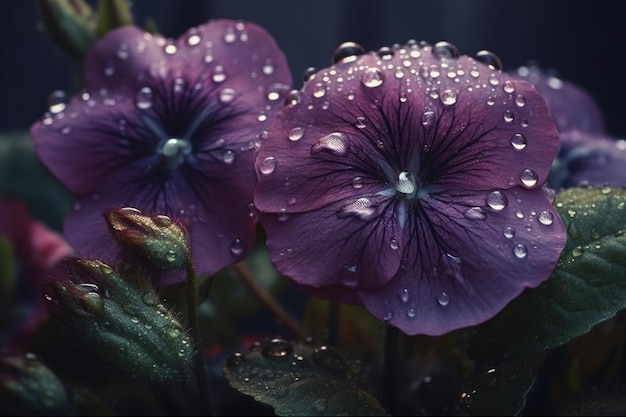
(155, 238)
(113, 14)
(120, 319)
(28, 387)
(70, 23)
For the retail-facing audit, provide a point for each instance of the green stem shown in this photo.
(391, 354)
(269, 302)
(193, 318)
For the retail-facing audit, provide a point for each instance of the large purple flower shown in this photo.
(410, 180)
(169, 127)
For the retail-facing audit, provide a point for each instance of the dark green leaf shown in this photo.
(113, 14)
(7, 283)
(587, 287)
(302, 380)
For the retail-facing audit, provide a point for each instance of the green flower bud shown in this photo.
(121, 319)
(70, 23)
(28, 387)
(113, 14)
(157, 238)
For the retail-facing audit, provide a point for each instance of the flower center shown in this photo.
(174, 152)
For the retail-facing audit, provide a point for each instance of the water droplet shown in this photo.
(508, 116)
(508, 87)
(445, 49)
(347, 52)
(361, 208)
(218, 74)
(372, 77)
(475, 213)
(319, 90)
(171, 256)
(496, 200)
(518, 141)
(405, 183)
(385, 53)
(170, 49)
(388, 316)
(357, 182)
(308, 74)
(236, 248)
(296, 134)
(360, 122)
(546, 218)
(56, 101)
(404, 295)
(144, 98)
(227, 95)
(282, 215)
(122, 51)
(293, 98)
(268, 165)
(577, 251)
(448, 97)
(520, 101)
(443, 299)
(520, 251)
(162, 220)
(428, 118)
(454, 259)
(489, 58)
(150, 299)
(277, 348)
(410, 313)
(393, 244)
(519, 214)
(335, 143)
(529, 178)
(268, 68)
(193, 39)
(130, 210)
(509, 232)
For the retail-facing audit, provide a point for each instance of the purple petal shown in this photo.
(571, 106)
(469, 260)
(353, 243)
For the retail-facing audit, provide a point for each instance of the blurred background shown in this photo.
(581, 41)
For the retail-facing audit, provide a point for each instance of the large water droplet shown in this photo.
(347, 52)
(56, 101)
(520, 251)
(361, 208)
(489, 58)
(296, 134)
(236, 247)
(475, 213)
(268, 165)
(335, 143)
(443, 299)
(519, 141)
(546, 218)
(319, 90)
(277, 348)
(509, 232)
(445, 49)
(405, 183)
(496, 200)
(373, 77)
(529, 178)
(144, 98)
(448, 97)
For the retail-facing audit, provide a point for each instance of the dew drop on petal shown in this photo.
(373, 77)
(335, 143)
(518, 141)
(445, 49)
(228, 156)
(520, 101)
(227, 95)
(489, 58)
(283, 215)
(361, 208)
(577, 251)
(193, 39)
(319, 90)
(428, 118)
(508, 116)
(296, 134)
(144, 98)
(218, 74)
(509, 232)
(475, 213)
(236, 247)
(393, 244)
(509, 87)
(388, 316)
(404, 295)
(546, 218)
(443, 299)
(520, 251)
(347, 52)
(529, 178)
(360, 122)
(410, 313)
(268, 165)
(454, 259)
(496, 200)
(448, 97)
(293, 98)
(56, 101)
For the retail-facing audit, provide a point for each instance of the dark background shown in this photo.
(582, 41)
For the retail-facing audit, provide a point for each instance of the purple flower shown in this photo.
(169, 127)
(409, 180)
(587, 155)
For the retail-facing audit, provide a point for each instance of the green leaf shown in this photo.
(587, 287)
(299, 379)
(8, 283)
(23, 177)
(113, 14)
